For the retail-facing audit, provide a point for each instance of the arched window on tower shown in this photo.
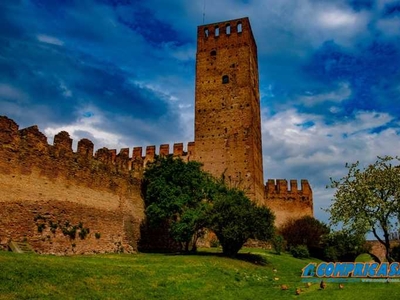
(206, 32)
(216, 31)
(225, 79)
(228, 29)
(239, 27)
(213, 53)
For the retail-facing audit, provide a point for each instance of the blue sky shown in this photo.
(121, 73)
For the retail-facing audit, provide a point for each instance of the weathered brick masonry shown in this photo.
(227, 115)
(290, 203)
(53, 186)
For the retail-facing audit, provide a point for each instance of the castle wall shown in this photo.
(109, 230)
(44, 186)
(48, 192)
(288, 203)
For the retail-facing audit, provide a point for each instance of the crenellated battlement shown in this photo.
(164, 150)
(289, 201)
(280, 187)
(27, 148)
(31, 139)
(223, 29)
(232, 32)
(138, 160)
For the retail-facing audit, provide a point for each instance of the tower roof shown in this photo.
(244, 19)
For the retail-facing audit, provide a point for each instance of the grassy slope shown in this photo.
(156, 276)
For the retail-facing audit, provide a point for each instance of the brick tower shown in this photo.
(227, 109)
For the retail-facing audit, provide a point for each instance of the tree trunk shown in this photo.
(387, 247)
(187, 247)
(194, 244)
(385, 243)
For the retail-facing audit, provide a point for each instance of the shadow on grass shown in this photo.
(256, 259)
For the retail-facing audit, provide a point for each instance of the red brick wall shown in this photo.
(109, 231)
(56, 185)
(289, 203)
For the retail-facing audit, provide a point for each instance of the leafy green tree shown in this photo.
(306, 231)
(176, 193)
(367, 200)
(343, 246)
(235, 219)
(300, 251)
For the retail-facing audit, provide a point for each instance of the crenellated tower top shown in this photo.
(217, 34)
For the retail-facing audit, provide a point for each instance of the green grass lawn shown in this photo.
(158, 276)
(365, 257)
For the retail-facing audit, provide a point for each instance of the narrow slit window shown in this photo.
(225, 79)
(239, 27)
(206, 32)
(216, 31)
(228, 29)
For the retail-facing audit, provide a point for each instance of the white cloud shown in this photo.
(66, 92)
(9, 92)
(341, 93)
(181, 53)
(336, 19)
(49, 39)
(315, 141)
(89, 126)
(296, 25)
(320, 151)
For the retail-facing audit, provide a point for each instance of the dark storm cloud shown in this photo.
(114, 93)
(372, 70)
(47, 73)
(116, 3)
(52, 71)
(392, 9)
(358, 5)
(143, 21)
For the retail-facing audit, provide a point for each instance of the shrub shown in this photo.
(53, 226)
(343, 246)
(69, 230)
(300, 251)
(331, 254)
(278, 243)
(306, 231)
(235, 218)
(83, 232)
